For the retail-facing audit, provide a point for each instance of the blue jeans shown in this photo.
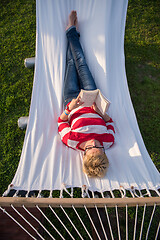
(77, 73)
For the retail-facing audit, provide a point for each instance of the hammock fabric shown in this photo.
(46, 163)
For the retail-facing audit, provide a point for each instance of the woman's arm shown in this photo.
(73, 104)
(105, 116)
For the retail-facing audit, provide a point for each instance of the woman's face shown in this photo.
(93, 147)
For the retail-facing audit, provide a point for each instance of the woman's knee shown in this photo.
(80, 60)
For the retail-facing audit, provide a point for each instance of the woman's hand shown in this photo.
(96, 109)
(105, 116)
(75, 103)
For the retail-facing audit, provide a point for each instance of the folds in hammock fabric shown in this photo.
(46, 163)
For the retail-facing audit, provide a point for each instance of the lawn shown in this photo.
(18, 35)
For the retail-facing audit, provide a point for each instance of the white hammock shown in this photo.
(46, 163)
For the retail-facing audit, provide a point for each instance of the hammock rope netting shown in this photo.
(95, 216)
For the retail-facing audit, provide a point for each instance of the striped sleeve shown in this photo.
(110, 127)
(64, 130)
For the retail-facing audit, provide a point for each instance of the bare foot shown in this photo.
(76, 23)
(72, 20)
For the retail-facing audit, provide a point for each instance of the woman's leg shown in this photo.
(71, 83)
(86, 80)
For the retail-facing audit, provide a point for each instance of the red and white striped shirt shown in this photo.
(85, 124)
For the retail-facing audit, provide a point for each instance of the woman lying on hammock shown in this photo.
(83, 128)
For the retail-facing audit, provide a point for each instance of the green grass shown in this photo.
(18, 35)
(142, 44)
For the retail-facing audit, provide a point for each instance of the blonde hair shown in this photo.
(95, 166)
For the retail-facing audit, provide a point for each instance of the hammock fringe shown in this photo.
(121, 192)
